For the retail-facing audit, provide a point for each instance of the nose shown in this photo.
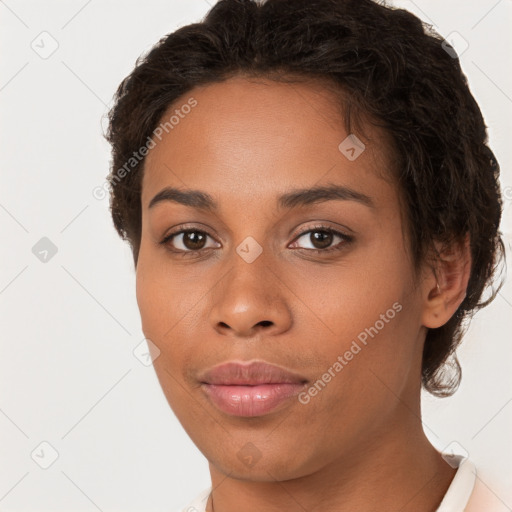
(250, 300)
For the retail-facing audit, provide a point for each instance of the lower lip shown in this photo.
(249, 401)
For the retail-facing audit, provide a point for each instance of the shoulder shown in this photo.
(468, 492)
(483, 498)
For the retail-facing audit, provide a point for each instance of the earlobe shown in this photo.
(445, 287)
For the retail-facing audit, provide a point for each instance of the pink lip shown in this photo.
(250, 389)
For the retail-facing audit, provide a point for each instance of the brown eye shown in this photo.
(321, 239)
(194, 240)
(188, 241)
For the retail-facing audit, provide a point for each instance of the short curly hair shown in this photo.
(388, 66)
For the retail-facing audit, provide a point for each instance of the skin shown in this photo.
(358, 444)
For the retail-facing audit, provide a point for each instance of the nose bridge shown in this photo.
(250, 296)
(251, 268)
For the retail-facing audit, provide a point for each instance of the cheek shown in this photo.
(350, 297)
(173, 303)
(163, 313)
(367, 313)
(150, 299)
(164, 296)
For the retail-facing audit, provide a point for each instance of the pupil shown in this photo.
(323, 238)
(193, 240)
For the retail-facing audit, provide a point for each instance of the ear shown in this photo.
(445, 284)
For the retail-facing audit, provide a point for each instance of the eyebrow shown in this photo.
(295, 198)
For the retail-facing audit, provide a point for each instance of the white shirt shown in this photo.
(467, 493)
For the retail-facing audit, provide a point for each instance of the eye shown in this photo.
(189, 241)
(320, 239)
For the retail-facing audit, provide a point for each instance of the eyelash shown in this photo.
(347, 239)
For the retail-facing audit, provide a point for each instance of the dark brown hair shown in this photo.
(388, 66)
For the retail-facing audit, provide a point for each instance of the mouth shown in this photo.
(250, 389)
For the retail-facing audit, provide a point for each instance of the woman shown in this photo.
(313, 212)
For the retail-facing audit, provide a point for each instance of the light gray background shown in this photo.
(69, 325)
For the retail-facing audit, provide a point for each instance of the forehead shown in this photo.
(255, 137)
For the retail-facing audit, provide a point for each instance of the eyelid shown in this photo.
(342, 230)
(180, 228)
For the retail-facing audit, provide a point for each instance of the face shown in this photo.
(320, 284)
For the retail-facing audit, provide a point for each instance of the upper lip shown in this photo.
(249, 374)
